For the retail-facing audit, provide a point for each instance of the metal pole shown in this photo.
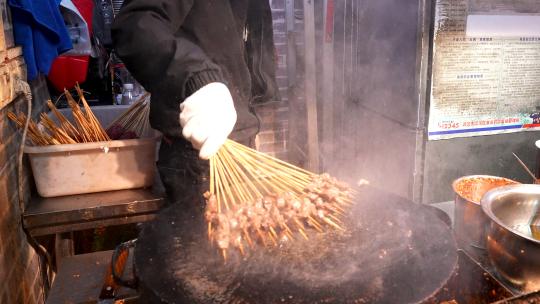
(423, 63)
(328, 82)
(311, 85)
(291, 42)
(343, 69)
(350, 67)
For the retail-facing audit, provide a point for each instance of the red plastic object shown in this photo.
(66, 71)
(86, 8)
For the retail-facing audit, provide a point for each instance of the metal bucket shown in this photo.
(513, 241)
(469, 219)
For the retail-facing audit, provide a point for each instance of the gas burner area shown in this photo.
(472, 284)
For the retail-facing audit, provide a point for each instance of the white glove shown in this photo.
(207, 118)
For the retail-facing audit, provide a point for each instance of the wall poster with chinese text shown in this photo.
(481, 85)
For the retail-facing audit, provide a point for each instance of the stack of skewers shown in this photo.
(86, 127)
(257, 199)
(133, 123)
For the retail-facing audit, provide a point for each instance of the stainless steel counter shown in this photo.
(46, 216)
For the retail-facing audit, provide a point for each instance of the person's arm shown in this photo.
(148, 39)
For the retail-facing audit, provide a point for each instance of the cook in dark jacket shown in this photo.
(206, 63)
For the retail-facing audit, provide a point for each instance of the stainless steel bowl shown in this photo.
(512, 248)
(469, 220)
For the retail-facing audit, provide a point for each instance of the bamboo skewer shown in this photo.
(238, 177)
(525, 167)
(272, 238)
(100, 133)
(136, 118)
(230, 155)
(248, 238)
(263, 240)
(35, 135)
(64, 122)
(57, 133)
(277, 184)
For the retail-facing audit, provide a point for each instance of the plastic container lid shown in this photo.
(128, 86)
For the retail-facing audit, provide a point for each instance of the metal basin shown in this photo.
(469, 220)
(512, 247)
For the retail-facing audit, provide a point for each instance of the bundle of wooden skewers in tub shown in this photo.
(255, 199)
(84, 127)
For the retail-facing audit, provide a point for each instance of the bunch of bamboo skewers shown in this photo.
(135, 119)
(133, 123)
(86, 127)
(255, 198)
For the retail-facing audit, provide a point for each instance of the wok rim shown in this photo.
(494, 193)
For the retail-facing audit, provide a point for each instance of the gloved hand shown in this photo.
(207, 118)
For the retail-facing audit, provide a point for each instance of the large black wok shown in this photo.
(395, 251)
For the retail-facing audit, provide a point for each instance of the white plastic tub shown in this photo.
(93, 167)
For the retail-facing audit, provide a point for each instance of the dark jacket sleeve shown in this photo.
(148, 38)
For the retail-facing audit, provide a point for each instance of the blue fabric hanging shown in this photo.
(39, 28)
